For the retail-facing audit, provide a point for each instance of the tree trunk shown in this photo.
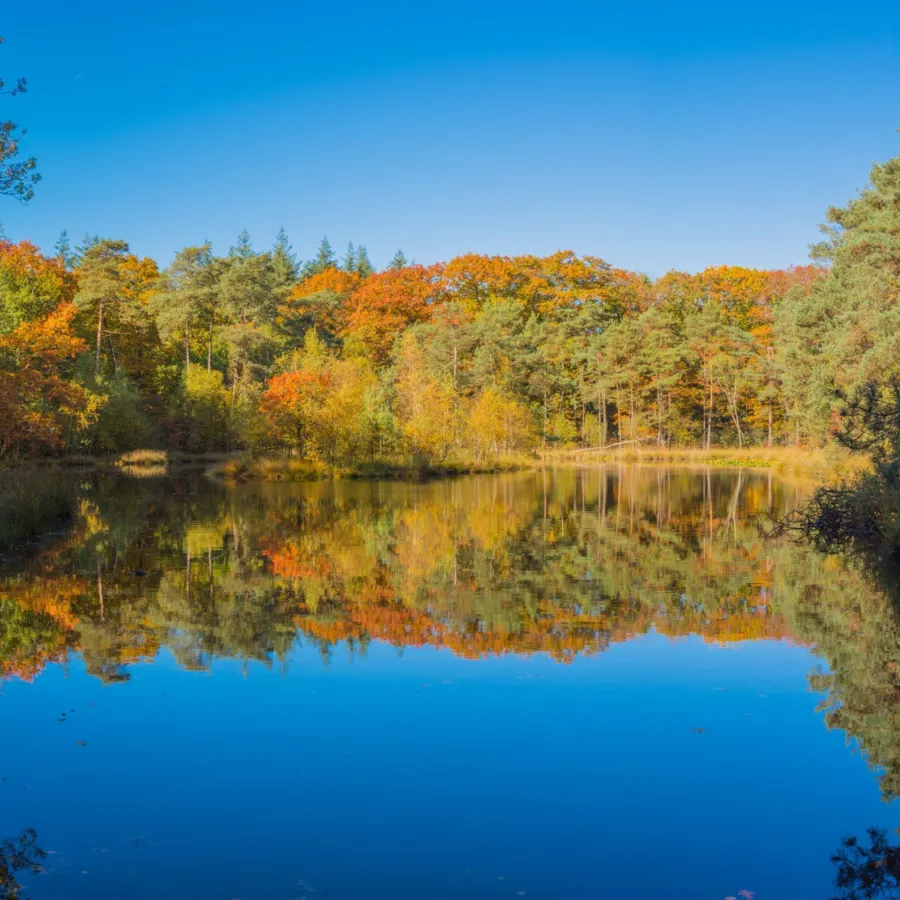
(112, 351)
(605, 420)
(187, 344)
(659, 416)
(619, 434)
(99, 337)
(601, 419)
(631, 409)
(209, 348)
(545, 421)
(770, 424)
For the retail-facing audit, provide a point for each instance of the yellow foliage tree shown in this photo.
(426, 407)
(498, 424)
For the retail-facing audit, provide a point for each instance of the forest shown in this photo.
(330, 361)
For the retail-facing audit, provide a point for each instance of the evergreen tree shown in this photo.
(189, 298)
(399, 261)
(243, 249)
(284, 261)
(101, 286)
(87, 242)
(363, 265)
(64, 251)
(349, 263)
(249, 299)
(846, 332)
(324, 259)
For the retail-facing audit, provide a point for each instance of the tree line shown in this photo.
(101, 351)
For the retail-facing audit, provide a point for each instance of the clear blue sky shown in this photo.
(656, 135)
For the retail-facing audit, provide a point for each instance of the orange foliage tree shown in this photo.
(387, 303)
(30, 284)
(36, 401)
(318, 302)
(291, 403)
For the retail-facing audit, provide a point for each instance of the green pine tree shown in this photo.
(399, 261)
(324, 259)
(284, 261)
(64, 251)
(243, 249)
(363, 265)
(349, 263)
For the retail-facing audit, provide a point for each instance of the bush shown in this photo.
(862, 515)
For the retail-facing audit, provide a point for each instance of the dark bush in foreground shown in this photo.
(31, 504)
(863, 515)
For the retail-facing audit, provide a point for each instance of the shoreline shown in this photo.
(33, 504)
(825, 463)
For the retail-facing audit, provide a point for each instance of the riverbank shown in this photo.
(140, 463)
(815, 463)
(269, 469)
(823, 464)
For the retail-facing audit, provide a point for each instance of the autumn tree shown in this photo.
(498, 424)
(318, 302)
(426, 408)
(30, 284)
(38, 402)
(387, 303)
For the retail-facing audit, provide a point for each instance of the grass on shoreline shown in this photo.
(818, 463)
(279, 469)
(140, 463)
(31, 505)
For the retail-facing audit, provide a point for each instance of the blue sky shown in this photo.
(657, 136)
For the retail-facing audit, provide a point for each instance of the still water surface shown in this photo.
(588, 683)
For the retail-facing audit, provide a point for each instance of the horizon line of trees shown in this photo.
(331, 360)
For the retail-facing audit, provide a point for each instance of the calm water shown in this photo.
(599, 683)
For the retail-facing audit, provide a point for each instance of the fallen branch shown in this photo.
(612, 446)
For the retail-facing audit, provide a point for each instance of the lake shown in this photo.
(599, 683)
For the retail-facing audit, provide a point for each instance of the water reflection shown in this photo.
(16, 855)
(563, 563)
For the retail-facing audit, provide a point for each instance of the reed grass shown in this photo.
(816, 463)
(281, 469)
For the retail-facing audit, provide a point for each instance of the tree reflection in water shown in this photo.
(16, 855)
(563, 563)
